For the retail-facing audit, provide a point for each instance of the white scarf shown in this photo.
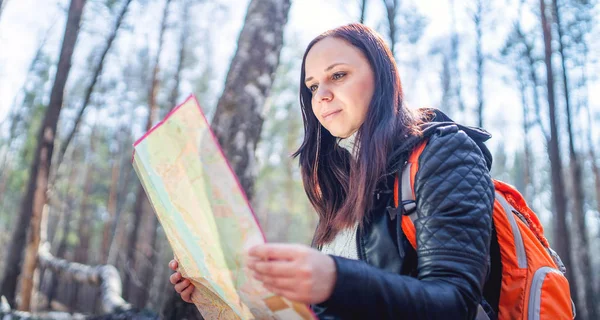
(349, 144)
(344, 243)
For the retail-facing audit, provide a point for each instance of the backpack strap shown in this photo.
(404, 193)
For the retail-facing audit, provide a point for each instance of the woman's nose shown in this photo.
(323, 94)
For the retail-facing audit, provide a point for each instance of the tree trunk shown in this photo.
(391, 9)
(119, 226)
(183, 38)
(140, 207)
(85, 221)
(582, 242)
(363, 11)
(446, 84)
(534, 82)
(145, 264)
(592, 156)
(60, 253)
(95, 77)
(153, 114)
(528, 180)
(454, 59)
(83, 229)
(562, 243)
(29, 265)
(134, 290)
(238, 119)
(2, 4)
(477, 18)
(35, 196)
(6, 168)
(596, 172)
(61, 243)
(111, 207)
(590, 140)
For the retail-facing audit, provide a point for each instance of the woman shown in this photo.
(358, 133)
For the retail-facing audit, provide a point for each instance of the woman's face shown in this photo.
(342, 83)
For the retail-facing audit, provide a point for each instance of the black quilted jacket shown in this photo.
(444, 278)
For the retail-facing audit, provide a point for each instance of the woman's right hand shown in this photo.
(182, 285)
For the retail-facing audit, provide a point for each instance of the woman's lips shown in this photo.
(329, 115)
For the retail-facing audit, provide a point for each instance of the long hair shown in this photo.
(341, 190)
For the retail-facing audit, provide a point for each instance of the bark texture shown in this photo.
(239, 118)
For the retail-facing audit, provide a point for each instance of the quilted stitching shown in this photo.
(454, 196)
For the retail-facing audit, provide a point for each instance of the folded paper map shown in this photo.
(206, 217)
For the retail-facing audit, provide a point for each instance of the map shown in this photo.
(206, 217)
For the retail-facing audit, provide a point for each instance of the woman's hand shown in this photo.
(296, 272)
(182, 285)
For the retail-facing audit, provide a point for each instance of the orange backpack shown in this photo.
(533, 285)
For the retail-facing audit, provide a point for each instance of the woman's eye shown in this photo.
(338, 75)
(313, 88)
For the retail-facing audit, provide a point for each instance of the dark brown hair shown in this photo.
(341, 190)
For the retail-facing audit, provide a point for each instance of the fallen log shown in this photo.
(7, 314)
(105, 276)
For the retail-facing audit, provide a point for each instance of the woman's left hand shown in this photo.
(294, 271)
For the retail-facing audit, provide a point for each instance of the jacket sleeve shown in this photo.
(454, 196)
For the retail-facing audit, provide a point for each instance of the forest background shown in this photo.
(81, 80)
